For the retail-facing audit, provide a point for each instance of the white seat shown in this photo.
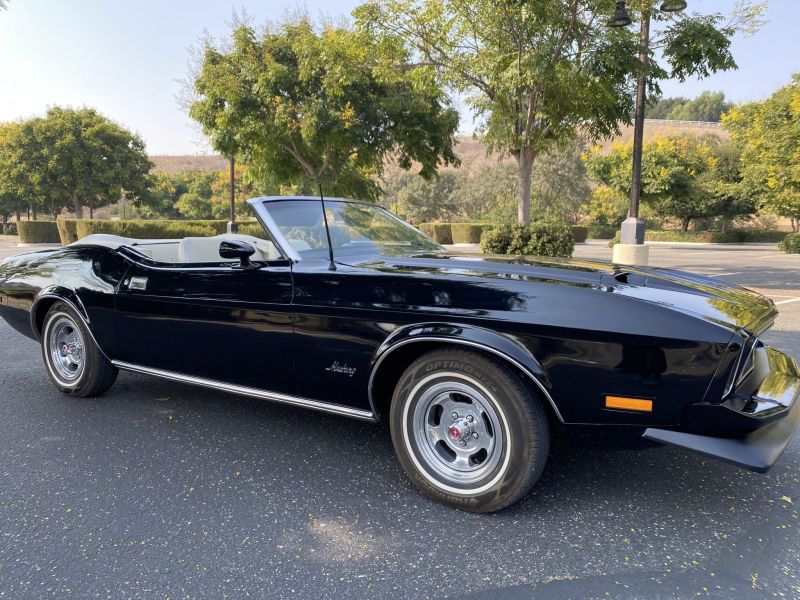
(206, 249)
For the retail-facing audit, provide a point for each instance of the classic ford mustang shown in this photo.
(344, 308)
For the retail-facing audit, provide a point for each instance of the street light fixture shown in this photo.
(631, 249)
(669, 6)
(621, 17)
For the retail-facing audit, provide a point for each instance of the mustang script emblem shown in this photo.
(343, 369)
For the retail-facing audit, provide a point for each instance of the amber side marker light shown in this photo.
(622, 403)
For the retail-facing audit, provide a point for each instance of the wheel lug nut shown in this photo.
(463, 442)
(470, 418)
(455, 416)
(475, 435)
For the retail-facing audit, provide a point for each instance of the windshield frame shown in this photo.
(259, 206)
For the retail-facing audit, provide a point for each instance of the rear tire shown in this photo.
(468, 431)
(75, 364)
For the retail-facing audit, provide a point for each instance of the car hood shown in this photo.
(730, 305)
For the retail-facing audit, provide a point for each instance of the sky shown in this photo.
(126, 58)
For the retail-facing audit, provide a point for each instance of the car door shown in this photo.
(209, 321)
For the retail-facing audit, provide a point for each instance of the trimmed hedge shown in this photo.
(38, 232)
(468, 233)
(441, 232)
(537, 239)
(580, 233)
(67, 230)
(601, 232)
(732, 236)
(151, 229)
(791, 243)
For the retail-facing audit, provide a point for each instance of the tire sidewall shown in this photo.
(57, 310)
(525, 437)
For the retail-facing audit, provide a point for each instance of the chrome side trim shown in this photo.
(447, 340)
(328, 407)
(79, 310)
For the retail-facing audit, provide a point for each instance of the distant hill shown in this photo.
(470, 150)
(205, 163)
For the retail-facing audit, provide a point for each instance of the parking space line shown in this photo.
(723, 274)
(787, 301)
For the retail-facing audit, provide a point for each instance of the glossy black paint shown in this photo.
(581, 329)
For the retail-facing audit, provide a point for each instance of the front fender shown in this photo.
(486, 340)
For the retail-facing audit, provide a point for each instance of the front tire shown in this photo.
(75, 364)
(468, 431)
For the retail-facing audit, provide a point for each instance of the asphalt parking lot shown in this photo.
(160, 490)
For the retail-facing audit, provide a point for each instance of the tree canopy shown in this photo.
(540, 73)
(681, 177)
(708, 106)
(318, 106)
(768, 135)
(74, 157)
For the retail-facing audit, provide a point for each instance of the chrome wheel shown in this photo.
(457, 432)
(66, 349)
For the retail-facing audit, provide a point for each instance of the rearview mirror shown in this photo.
(234, 249)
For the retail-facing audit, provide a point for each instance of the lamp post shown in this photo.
(631, 249)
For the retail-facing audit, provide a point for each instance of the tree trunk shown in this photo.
(795, 224)
(91, 212)
(685, 224)
(525, 164)
(33, 213)
(76, 203)
(19, 216)
(29, 213)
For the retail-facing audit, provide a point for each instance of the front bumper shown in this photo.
(769, 418)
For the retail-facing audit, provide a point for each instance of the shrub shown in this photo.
(38, 232)
(597, 231)
(151, 229)
(441, 232)
(540, 238)
(791, 243)
(67, 230)
(580, 233)
(10, 229)
(550, 239)
(468, 233)
(497, 240)
(253, 228)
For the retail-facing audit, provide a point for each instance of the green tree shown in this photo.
(768, 134)
(708, 106)
(80, 158)
(478, 193)
(11, 201)
(422, 200)
(660, 108)
(540, 72)
(559, 184)
(301, 105)
(676, 176)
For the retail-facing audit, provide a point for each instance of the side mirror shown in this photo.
(234, 249)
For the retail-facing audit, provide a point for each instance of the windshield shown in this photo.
(356, 228)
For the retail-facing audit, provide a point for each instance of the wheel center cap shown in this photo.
(459, 430)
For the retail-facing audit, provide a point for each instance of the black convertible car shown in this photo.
(342, 307)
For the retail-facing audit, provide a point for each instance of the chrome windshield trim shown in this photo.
(449, 340)
(241, 390)
(257, 205)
